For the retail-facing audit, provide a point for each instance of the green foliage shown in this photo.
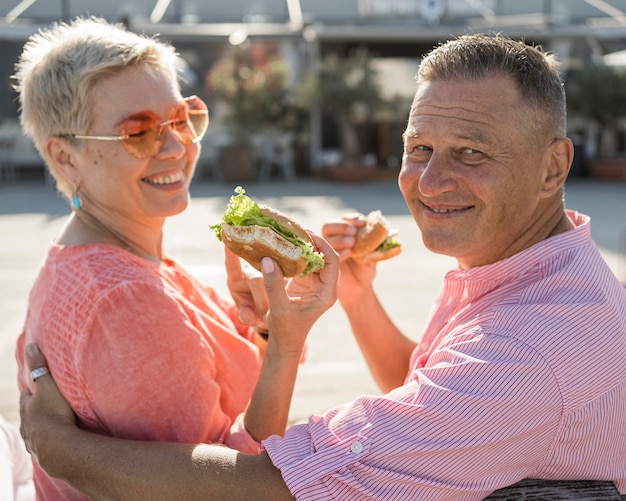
(343, 83)
(347, 88)
(254, 89)
(598, 92)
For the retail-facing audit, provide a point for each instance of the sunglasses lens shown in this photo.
(143, 138)
(191, 119)
(144, 130)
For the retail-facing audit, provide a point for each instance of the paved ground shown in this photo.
(30, 214)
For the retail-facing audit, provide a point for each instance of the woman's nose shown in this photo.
(172, 143)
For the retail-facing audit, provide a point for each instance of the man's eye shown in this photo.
(471, 151)
(471, 155)
(416, 149)
(417, 154)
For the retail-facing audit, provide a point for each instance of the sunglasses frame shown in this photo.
(160, 126)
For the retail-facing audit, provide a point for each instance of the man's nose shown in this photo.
(437, 176)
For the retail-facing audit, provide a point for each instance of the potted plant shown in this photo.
(347, 89)
(251, 81)
(597, 94)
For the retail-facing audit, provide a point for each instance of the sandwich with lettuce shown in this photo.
(254, 231)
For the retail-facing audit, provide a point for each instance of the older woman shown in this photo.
(139, 348)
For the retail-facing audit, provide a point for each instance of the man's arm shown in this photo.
(109, 468)
(385, 348)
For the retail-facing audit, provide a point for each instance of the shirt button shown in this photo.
(356, 447)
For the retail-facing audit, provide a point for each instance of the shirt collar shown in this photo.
(495, 274)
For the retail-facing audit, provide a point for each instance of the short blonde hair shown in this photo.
(60, 66)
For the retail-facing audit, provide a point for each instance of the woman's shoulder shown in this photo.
(98, 264)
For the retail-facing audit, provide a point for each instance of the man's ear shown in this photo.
(558, 160)
(62, 155)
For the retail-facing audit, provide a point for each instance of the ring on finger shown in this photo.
(37, 373)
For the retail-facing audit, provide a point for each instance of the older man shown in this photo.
(521, 371)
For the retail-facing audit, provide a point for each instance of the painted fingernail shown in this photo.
(267, 265)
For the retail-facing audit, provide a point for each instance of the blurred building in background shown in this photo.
(395, 34)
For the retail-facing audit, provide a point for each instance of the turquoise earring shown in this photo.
(76, 201)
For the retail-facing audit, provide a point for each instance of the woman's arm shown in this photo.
(104, 467)
(108, 468)
(293, 310)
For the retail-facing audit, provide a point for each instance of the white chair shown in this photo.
(272, 150)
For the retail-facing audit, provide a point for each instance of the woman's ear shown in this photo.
(559, 156)
(62, 155)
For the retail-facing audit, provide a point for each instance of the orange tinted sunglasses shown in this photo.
(142, 133)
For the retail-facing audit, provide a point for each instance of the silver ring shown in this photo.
(37, 373)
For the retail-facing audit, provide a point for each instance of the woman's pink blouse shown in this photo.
(141, 350)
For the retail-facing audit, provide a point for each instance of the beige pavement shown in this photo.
(30, 214)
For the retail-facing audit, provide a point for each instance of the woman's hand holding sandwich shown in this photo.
(297, 303)
(246, 288)
(294, 306)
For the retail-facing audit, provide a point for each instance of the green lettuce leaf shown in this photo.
(243, 211)
(389, 243)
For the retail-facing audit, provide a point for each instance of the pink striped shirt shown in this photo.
(521, 373)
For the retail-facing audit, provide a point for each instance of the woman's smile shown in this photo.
(175, 178)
